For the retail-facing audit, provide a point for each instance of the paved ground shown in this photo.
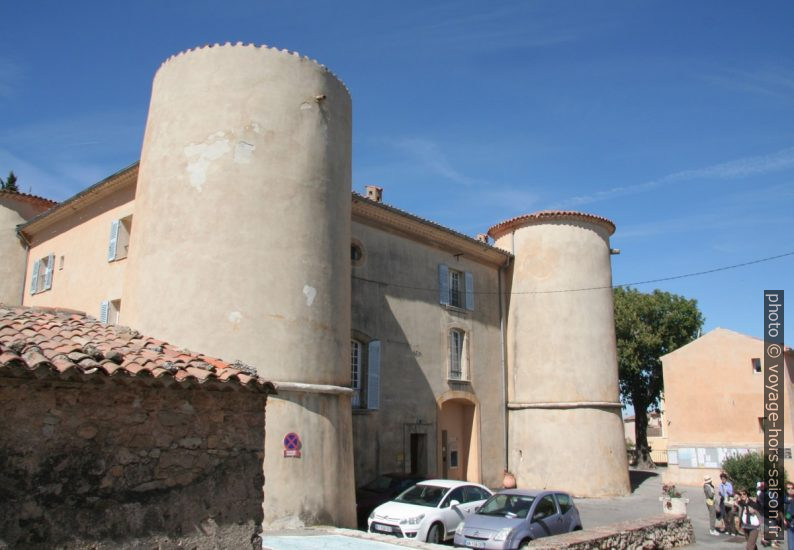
(330, 542)
(643, 502)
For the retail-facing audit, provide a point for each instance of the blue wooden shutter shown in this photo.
(103, 311)
(443, 284)
(48, 273)
(34, 278)
(373, 375)
(114, 238)
(469, 291)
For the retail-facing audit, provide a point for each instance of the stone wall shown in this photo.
(112, 463)
(652, 533)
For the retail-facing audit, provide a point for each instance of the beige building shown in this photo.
(714, 403)
(657, 434)
(237, 236)
(15, 209)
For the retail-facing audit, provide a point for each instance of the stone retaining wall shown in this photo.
(112, 464)
(652, 533)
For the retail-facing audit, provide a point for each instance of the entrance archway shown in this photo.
(459, 436)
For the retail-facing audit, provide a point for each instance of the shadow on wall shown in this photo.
(382, 439)
(123, 464)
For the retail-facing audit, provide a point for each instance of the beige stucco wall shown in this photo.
(14, 210)
(244, 183)
(562, 361)
(406, 316)
(87, 278)
(714, 398)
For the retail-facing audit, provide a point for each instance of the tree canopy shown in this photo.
(647, 327)
(10, 183)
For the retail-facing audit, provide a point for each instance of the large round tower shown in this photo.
(564, 412)
(240, 249)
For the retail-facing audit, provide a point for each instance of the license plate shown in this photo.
(384, 528)
(475, 544)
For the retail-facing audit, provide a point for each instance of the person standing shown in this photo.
(711, 494)
(749, 519)
(788, 517)
(726, 505)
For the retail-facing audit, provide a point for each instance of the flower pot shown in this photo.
(674, 505)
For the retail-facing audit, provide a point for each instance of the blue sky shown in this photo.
(674, 119)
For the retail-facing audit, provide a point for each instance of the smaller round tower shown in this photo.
(565, 429)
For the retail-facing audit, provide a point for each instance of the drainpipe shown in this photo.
(26, 242)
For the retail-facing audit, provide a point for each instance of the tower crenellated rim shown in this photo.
(511, 224)
(251, 45)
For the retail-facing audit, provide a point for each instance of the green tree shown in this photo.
(647, 327)
(10, 184)
(748, 469)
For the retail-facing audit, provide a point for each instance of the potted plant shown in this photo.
(672, 499)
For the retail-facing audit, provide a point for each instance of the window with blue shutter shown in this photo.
(114, 238)
(469, 291)
(48, 272)
(103, 311)
(34, 278)
(373, 375)
(355, 371)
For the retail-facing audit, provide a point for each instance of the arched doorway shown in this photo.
(459, 436)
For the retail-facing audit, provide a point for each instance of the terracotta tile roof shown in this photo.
(68, 344)
(505, 226)
(26, 197)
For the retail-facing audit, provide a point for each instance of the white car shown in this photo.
(429, 511)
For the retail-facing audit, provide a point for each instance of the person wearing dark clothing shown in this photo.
(749, 519)
(788, 522)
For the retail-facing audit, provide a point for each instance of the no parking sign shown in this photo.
(292, 445)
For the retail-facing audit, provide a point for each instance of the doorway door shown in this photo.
(459, 440)
(419, 454)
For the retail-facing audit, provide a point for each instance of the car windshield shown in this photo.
(422, 495)
(379, 484)
(508, 506)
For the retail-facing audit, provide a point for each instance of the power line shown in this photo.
(649, 281)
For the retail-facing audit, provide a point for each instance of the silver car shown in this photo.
(510, 519)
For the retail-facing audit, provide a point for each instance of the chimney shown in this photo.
(374, 193)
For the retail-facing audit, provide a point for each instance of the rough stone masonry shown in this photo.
(121, 463)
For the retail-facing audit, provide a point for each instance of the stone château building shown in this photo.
(395, 344)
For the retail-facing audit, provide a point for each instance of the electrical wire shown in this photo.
(622, 285)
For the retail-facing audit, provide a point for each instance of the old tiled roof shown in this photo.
(505, 226)
(68, 344)
(26, 197)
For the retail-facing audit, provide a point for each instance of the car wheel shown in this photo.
(435, 535)
(524, 544)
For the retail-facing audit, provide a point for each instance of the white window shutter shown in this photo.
(373, 375)
(103, 311)
(469, 291)
(48, 273)
(443, 284)
(34, 279)
(114, 238)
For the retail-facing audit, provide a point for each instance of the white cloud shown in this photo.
(431, 158)
(735, 169)
(777, 82)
